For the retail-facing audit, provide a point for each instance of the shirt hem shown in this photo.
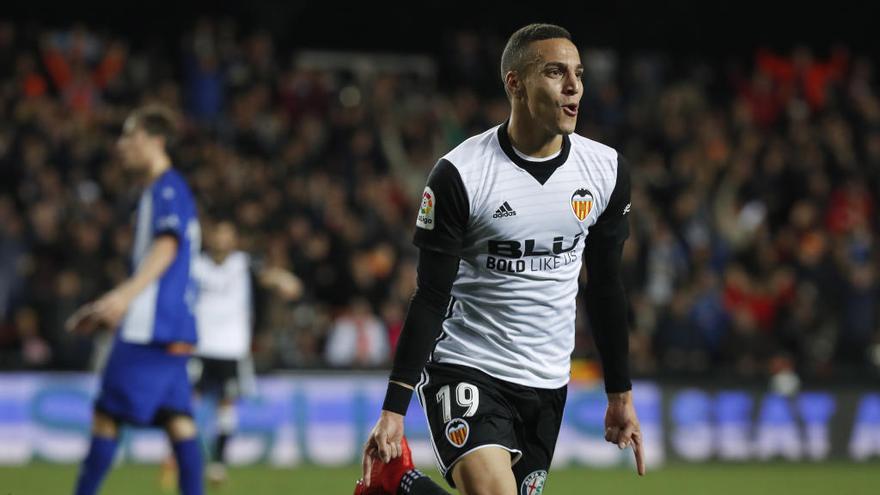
(542, 384)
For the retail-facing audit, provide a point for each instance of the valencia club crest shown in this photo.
(581, 203)
(457, 432)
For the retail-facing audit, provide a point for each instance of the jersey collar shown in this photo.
(541, 171)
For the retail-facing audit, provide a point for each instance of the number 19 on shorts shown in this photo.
(466, 396)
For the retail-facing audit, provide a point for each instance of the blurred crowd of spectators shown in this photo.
(754, 230)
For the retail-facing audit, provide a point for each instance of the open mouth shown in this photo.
(571, 109)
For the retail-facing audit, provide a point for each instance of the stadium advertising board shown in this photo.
(743, 425)
(322, 420)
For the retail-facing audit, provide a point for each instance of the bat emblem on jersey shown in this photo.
(581, 203)
(457, 432)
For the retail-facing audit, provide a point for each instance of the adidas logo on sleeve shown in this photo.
(504, 211)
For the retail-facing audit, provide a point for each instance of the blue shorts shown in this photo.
(144, 385)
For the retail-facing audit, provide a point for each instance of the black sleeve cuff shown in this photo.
(397, 398)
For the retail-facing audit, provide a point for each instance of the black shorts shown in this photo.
(220, 378)
(468, 410)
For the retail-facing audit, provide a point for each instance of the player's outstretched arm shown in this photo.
(422, 326)
(282, 282)
(607, 309)
(111, 307)
(440, 228)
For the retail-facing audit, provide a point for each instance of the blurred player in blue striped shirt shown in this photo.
(145, 381)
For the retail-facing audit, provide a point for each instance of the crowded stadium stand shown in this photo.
(755, 178)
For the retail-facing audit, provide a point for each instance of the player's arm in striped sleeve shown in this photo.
(169, 228)
(110, 308)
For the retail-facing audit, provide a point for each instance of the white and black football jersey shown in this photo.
(224, 306)
(519, 229)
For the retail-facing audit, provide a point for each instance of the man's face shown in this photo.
(552, 84)
(225, 239)
(135, 145)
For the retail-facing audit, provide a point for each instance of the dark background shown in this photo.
(680, 26)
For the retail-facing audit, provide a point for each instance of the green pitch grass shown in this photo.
(713, 479)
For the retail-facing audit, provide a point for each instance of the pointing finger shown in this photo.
(637, 452)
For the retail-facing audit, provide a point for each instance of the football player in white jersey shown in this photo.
(225, 315)
(225, 318)
(506, 221)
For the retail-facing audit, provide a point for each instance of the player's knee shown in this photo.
(180, 427)
(487, 484)
(485, 472)
(104, 425)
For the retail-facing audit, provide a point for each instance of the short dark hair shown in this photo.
(156, 120)
(514, 56)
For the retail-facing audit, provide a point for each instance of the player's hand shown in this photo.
(83, 320)
(111, 308)
(383, 442)
(287, 285)
(622, 426)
